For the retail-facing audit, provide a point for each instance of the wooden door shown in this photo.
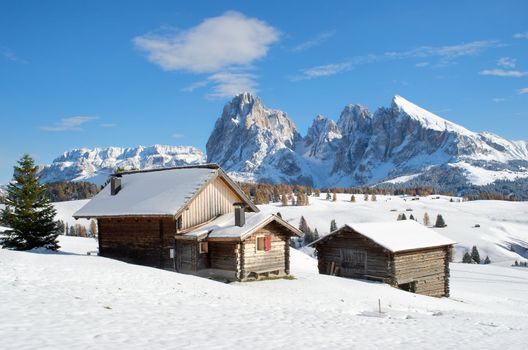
(353, 261)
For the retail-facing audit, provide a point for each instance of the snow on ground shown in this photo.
(501, 223)
(69, 300)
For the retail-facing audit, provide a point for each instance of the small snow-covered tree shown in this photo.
(411, 217)
(316, 234)
(466, 259)
(333, 225)
(487, 260)
(475, 255)
(440, 221)
(284, 200)
(426, 220)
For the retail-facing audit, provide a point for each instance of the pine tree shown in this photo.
(426, 220)
(72, 231)
(411, 217)
(279, 214)
(466, 259)
(475, 254)
(316, 234)
(365, 197)
(334, 196)
(403, 217)
(328, 196)
(353, 199)
(303, 225)
(516, 263)
(399, 218)
(440, 221)
(28, 211)
(333, 225)
(487, 260)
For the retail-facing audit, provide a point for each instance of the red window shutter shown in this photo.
(267, 243)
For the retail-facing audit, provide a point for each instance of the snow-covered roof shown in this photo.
(224, 227)
(397, 236)
(162, 192)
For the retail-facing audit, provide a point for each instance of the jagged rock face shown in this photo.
(96, 164)
(322, 138)
(250, 138)
(362, 148)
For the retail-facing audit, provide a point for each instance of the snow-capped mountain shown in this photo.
(397, 144)
(94, 165)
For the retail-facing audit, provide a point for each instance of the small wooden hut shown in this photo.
(403, 253)
(189, 219)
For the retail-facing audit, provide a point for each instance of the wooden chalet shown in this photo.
(403, 253)
(189, 219)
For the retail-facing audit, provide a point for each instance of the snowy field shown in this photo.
(72, 301)
(68, 300)
(501, 223)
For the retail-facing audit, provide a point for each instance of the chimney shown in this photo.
(240, 214)
(115, 185)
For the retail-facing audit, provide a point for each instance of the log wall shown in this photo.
(275, 261)
(144, 241)
(426, 269)
(331, 254)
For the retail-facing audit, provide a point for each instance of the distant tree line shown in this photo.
(68, 190)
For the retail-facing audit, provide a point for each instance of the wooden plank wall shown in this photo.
(144, 241)
(277, 259)
(426, 268)
(224, 256)
(215, 199)
(378, 260)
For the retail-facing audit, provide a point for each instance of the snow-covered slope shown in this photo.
(253, 142)
(94, 165)
(70, 300)
(502, 235)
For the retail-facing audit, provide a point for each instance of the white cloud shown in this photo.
(523, 91)
(196, 85)
(228, 84)
(224, 47)
(422, 64)
(504, 73)
(69, 124)
(107, 125)
(317, 40)
(231, 39)
(499, 99)
(11, 55)
(521, 35)
(507, 62)
(446, 54)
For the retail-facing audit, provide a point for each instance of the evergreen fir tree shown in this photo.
(403, 216)
(316, 234)
(328, 196)
(440, 221)
(284, 200)
(466, 259)
(475, 254)
(303, 226)
(72, 231)
(333, 225)
(487, 260)
(411, 217)
(279, 214)
(28, 211)
(399, 218)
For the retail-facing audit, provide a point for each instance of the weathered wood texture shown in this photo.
(215, 199)
(275, 261)
(367, 259)
(349, 254)
(224, 255)
(144, 241)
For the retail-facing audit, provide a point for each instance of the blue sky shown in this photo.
(123, 73)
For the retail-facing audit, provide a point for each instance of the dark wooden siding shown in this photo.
(224, 255)
(333, 253)
(144, 241)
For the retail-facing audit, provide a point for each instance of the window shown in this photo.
(204, 247)
(263, 243)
